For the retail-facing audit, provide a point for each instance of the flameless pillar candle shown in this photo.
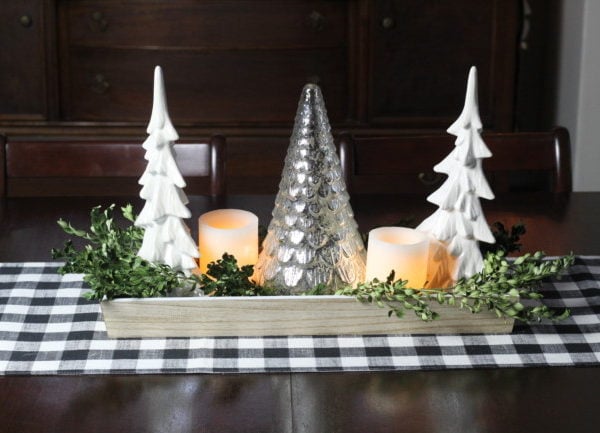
(231, 231)
(404, 250)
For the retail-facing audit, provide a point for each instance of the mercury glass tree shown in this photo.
(459, 222)
(313, 237)
(166, 237)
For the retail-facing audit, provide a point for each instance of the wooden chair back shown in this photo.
(2, 165)
(80, 167)
(539, 161)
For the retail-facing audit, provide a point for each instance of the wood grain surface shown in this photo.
(281, 315)
(533, 400)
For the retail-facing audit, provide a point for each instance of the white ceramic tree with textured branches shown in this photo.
(459, 224)
(166, 237)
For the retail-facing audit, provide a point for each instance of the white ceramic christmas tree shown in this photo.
(459, 222)
(166, 237)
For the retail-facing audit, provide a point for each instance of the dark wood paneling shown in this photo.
(221, 87)
(208, 25)
(22, 60)
(225, 62)
(386, 63)
(410, 74)
(237, 67)
(421, 54)
(537, 77)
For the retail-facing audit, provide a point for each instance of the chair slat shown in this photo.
(81, 167)
(403, 164)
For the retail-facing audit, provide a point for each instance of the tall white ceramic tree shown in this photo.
(459, 222)
(166, 237)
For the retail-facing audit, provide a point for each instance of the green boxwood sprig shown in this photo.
(110, 263)
(225, 278)
(501, 287)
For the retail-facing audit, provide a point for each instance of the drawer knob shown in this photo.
(388, 23)
(99, 84)
(430, 178)
(26, 20)
(99, 22)
(316, 21)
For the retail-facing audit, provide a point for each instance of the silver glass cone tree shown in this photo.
(459, 222)
(166, 237)
(313, 238)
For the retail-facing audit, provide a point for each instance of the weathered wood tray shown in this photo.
(281, 315)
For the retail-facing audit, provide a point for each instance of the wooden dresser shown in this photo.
(85, 67)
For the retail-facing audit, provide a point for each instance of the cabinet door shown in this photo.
(421, 52)
(22, 60)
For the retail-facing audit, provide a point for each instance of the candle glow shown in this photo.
(231, 231)
(401, 249)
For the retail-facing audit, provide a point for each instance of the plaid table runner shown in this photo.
(46, 327)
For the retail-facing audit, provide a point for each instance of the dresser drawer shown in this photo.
(206, 24)
(207, 87)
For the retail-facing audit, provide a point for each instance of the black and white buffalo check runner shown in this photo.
(47, 327)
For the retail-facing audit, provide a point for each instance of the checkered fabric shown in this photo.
(47, 327)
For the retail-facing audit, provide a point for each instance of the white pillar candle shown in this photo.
(231, 231)
(401, 249)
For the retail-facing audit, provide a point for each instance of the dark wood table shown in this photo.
(485, 400)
